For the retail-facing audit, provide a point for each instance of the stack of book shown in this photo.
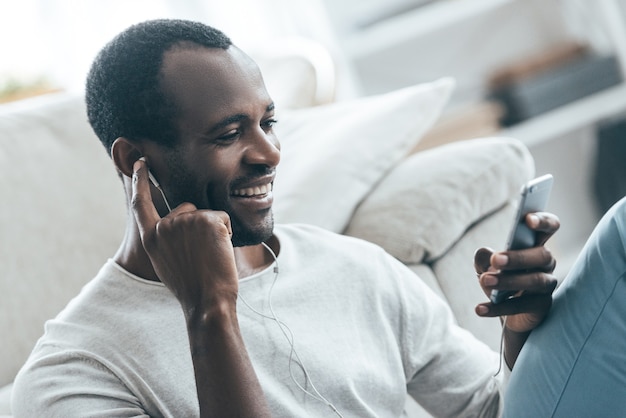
(558, 76)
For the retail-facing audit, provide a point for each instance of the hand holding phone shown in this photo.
(534, 198)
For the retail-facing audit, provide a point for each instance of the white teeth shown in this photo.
(254, 191)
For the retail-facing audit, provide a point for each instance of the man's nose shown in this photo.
(263, 148)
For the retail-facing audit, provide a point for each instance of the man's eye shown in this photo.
(268, 124)
(229, 137)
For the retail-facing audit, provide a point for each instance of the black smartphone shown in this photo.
(534, 198)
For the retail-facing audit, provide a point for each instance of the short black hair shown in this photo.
(123, 90)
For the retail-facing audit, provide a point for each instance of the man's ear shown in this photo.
(124, 153)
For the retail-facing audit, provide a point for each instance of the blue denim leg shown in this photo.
(574, 365)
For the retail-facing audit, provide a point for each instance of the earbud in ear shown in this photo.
(156, 184)
(153, 180)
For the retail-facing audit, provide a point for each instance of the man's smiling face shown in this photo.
(226, 152)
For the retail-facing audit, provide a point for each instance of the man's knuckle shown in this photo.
(136, 202)
(543, 282)
(551, 284)
(548, 260)
(516, 258)
(547, 254)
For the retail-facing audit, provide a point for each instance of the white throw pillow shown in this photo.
(428, 202)
(333, 155)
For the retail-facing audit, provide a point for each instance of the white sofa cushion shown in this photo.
(333, 155)
(420, 209)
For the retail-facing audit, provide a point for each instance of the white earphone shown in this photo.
(156, 184)
(288, 334)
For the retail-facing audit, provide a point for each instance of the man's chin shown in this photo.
(247, 236)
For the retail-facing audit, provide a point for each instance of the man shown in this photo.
(194, 316)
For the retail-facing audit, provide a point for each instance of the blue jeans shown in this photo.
(574, 364)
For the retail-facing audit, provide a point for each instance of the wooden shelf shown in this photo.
(571, 117)
(416, 23)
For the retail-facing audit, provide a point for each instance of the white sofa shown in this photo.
(346, 166)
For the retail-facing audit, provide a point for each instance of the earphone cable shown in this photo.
(501, 347)
(288, 334)
(169, 209)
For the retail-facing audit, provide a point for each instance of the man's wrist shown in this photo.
(218, 314)
(513, 343)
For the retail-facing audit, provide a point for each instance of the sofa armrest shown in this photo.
(426, 203)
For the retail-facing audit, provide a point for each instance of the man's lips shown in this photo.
(255, 191)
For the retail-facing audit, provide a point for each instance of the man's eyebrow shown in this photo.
(236, 118)
(227, 121)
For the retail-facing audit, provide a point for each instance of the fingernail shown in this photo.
(482, 310)
(534, 219)
(500, 259)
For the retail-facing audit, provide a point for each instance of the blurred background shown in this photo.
(548, 72)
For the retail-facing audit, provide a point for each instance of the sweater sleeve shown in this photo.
(449, 372)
